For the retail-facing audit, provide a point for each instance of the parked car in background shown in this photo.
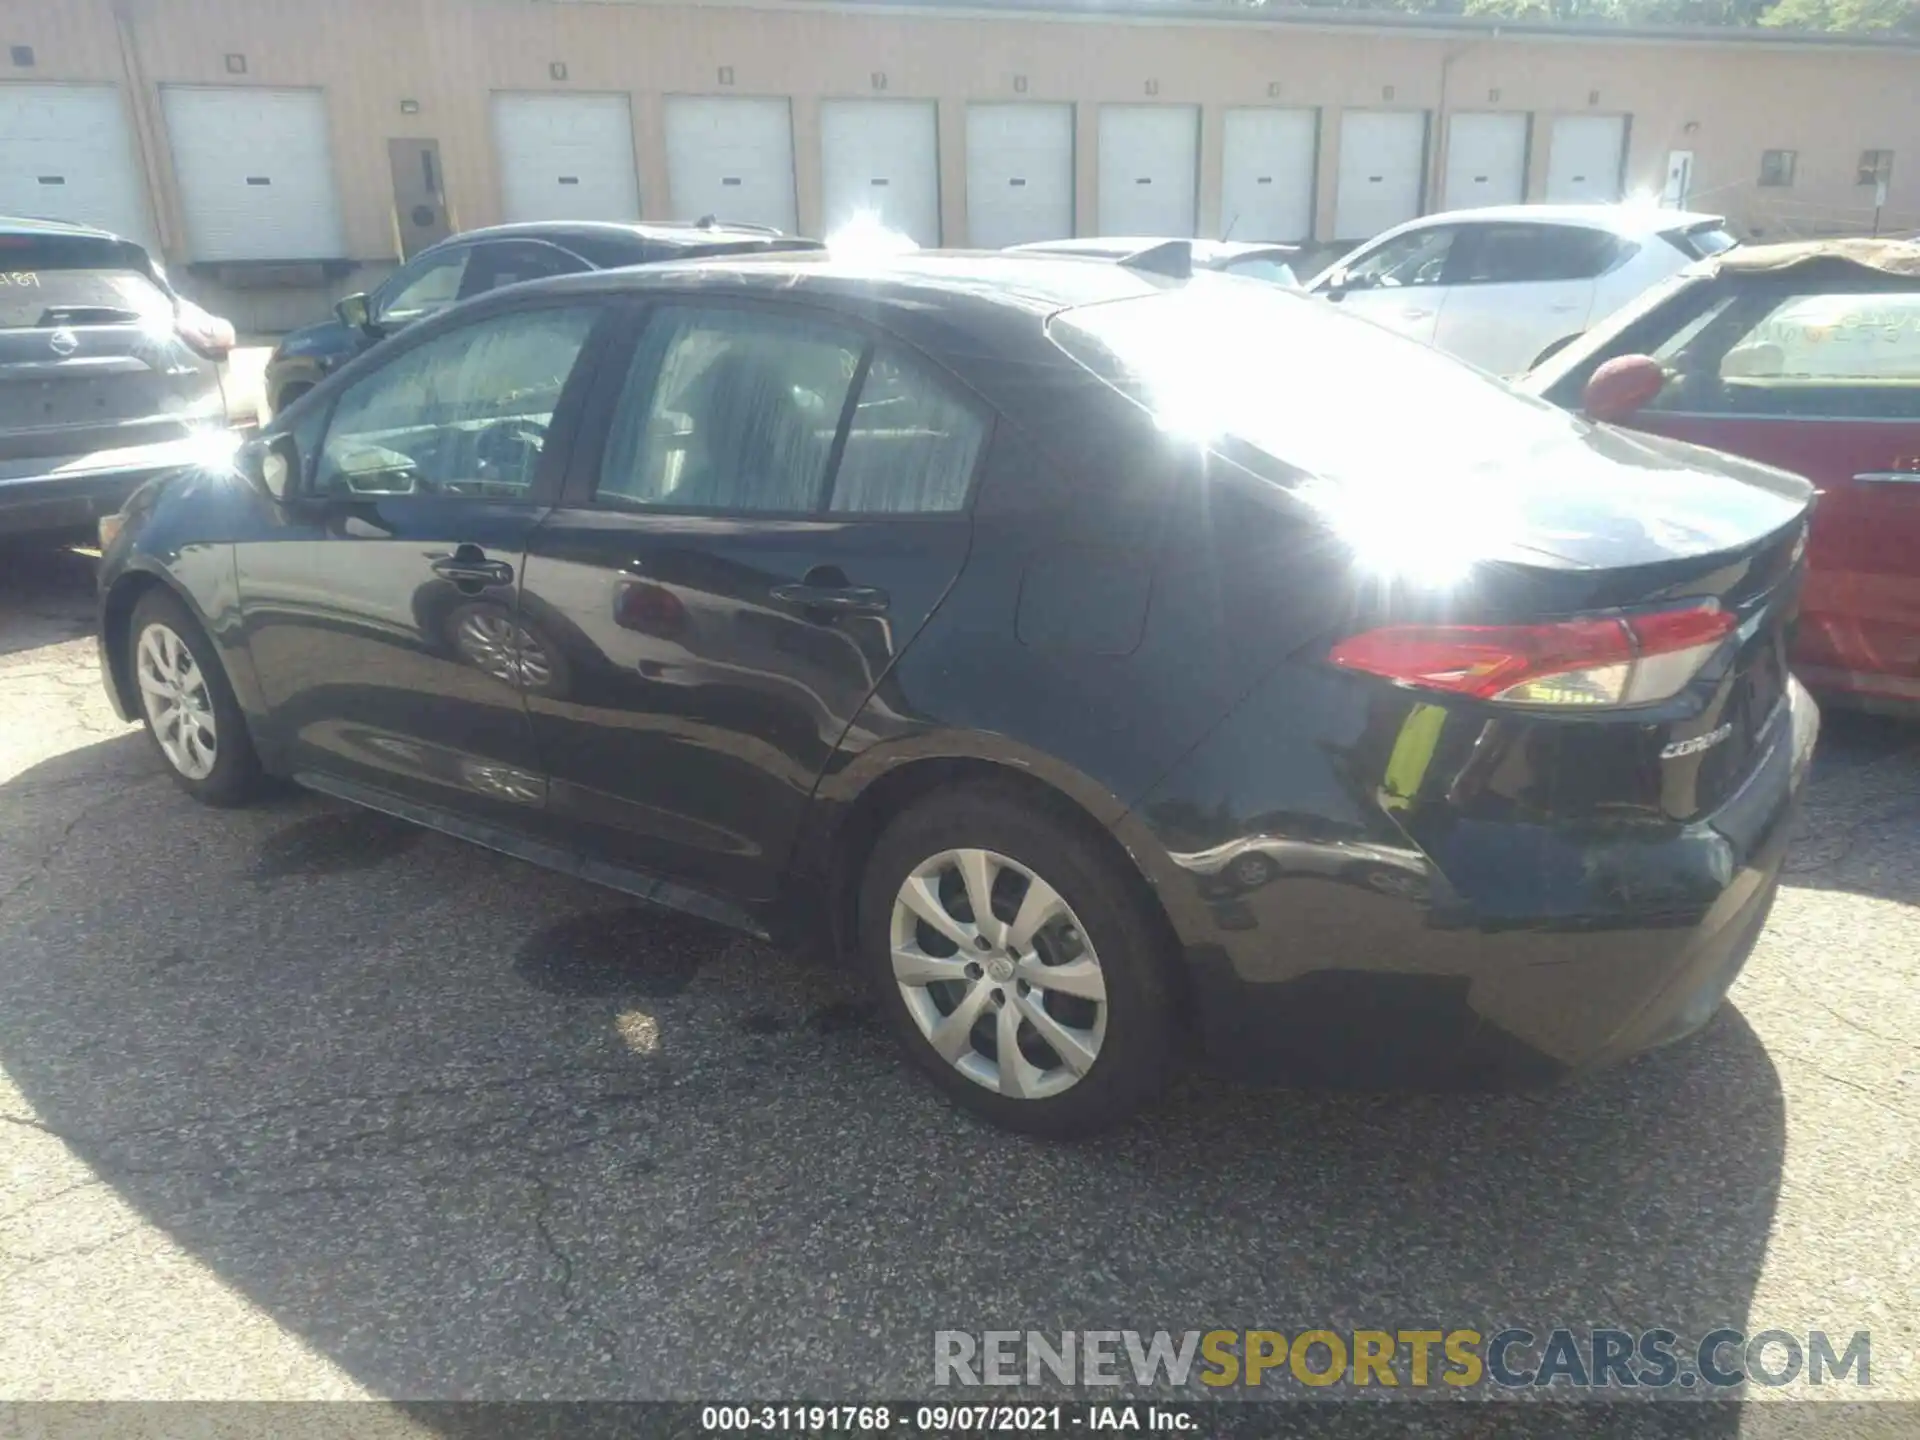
(1806, 356)
(979, 611)
(1255, 261)
(107, 377)
(1505, 286)
(481, 260)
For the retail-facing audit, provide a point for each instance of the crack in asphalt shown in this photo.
(574, 1309)
(556, 1074)
(1854, 1024)
(60, 1194)
(91, 1247)
(415, 1148)
(1847, 837)
(45, 863)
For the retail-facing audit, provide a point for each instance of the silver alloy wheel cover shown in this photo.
(177, 702)
(1013, 981)
(497, 645)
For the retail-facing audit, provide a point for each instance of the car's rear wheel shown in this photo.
(1015, 964)
(191, 714)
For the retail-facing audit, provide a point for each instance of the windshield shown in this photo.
(1264, 267)
(1295, 378)
(1703, 241)
(1555, 367)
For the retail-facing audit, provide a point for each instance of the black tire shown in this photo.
(1135, 1057)
(236, 776)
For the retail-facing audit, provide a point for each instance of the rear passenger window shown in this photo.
(1520, 254)
(498, 263)
(912, 445)
(730, 410)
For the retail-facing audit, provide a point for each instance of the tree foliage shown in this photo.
(1863, 16)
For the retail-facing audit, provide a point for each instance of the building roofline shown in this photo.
(1311, 18)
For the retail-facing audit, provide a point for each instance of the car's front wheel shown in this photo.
(1015, 964)
(188, 705)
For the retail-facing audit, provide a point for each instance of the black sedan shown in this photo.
(1102, 660)
(482, 260)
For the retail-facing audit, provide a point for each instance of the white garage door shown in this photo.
(1383, 157)
(880, 161)
(66, 153)
(1019, 174)
(1584, 163)
(565, 157)
(1149, 169)
(1266, 178)
(731, 158)
(1486, 161)
(255, 168)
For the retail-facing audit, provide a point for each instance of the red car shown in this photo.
(1805, 356)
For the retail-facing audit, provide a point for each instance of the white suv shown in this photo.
(1506, 286)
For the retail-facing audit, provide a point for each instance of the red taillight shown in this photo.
(1600, 660)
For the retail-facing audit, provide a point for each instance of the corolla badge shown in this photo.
(64, 342)
(1697, 743)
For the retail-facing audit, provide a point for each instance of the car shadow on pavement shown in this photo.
(468, 1130)
(46, 595)
(1862, 812)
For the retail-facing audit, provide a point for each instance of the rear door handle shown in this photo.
(838, 599)
(468, 565)
(1889, 477)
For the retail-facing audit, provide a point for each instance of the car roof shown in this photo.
(1889, 257)
(656, 232)
(32, 225)
(1204, 251)
(956, 280)
(1622, 219)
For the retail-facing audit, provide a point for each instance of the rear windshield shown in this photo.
(1264, 267)
(1296, 378)
(1701, 241)
(48, 284)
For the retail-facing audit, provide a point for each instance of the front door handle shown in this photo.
(1889, 477)
(469, 566)
(836, 599)
(1416, 314)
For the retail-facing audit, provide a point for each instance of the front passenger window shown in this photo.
(433, 289)
(465, 415)
(1418, 258)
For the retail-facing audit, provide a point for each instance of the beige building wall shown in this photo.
(1726, 100)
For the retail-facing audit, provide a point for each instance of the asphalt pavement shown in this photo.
(299, 1102)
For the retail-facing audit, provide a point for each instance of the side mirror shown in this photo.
(1621, 387)
(280, 468)
(1337, 284)
(356, 312)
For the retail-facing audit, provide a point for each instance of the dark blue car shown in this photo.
(483, 260)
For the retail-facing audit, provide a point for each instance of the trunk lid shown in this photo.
(1610, 524)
